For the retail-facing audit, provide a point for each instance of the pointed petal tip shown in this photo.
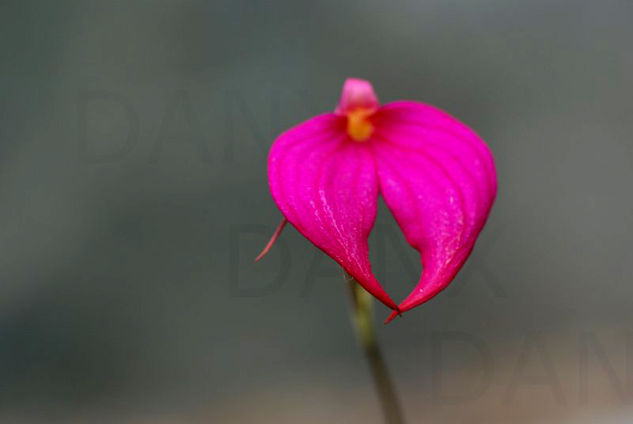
(393, 315)
(263, 253)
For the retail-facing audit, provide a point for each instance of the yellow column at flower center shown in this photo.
(359, 127)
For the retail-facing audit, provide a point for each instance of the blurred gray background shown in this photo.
(133, 144)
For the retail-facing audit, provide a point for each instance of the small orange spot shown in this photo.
(359, 127)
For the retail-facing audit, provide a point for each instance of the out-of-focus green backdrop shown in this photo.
(133, 197)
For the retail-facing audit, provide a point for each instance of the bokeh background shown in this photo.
(133, 144)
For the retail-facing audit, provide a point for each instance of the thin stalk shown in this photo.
(362, 317)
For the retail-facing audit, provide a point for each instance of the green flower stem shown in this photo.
(362, 317)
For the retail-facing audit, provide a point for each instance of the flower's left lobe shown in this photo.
(327, 188)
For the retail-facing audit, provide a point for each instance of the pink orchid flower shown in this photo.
(435, 174)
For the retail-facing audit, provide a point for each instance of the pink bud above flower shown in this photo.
(357, 94)
(435, 174)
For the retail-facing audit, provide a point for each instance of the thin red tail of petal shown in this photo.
(393, 315)
(272, 240)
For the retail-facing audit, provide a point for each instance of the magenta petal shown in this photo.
(327, 188)
(438, 179)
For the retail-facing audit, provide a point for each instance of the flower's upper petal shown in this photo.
(327, 188)
(438, 179)
(357, 93)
